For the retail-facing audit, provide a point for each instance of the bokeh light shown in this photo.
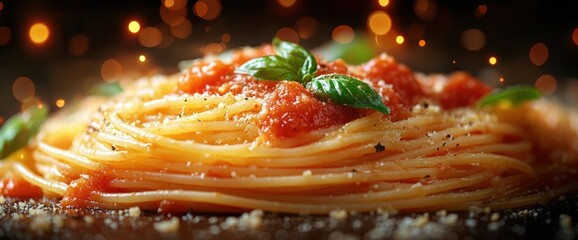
(473, 39)
(60, 102)
(23, 89)
(150, 37)
(226, 37)
(286, 3)
(39, 33)
(1, 6)
(383, 3)
(399, 39)
(183, 30)
(78, 45)
(379, 22)
(538, 54)
(288, 34)
(547, 84)
(343, 34)
(306, 27)
(111, 70)
(5, 35)
(493, 60)
(213, 48)
(425, 9)
(207, 9)
(142, 58)
(421, 43)
(133, 26)
(481, 11)
(175, 5)
(172, 17)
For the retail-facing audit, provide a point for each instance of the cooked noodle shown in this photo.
(155, 146)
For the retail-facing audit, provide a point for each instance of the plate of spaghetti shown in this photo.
(280, 129)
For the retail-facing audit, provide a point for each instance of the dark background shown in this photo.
(511, 28)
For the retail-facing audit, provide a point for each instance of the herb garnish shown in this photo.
(295, 63)
(16, 131)
(514, 94)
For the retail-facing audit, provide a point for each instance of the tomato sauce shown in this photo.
(18, 187)
(290, 109)
(80, 191)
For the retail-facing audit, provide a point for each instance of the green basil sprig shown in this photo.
(16, 131)
(514, 94)
(295, 63)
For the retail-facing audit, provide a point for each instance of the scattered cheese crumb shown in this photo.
(253, 220)
(338, 214)
(2, 200)
(168, 226)
(88, 219)
(307, 173)
(134, 212)
(416, 185)
(495, 217)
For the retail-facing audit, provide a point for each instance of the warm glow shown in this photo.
(501, 80)
(4, 36)
(150, 37)
(575, 36)
(343, 34)
(425, 9)
(60, 102)
(383, 3)
(481, 11)
(169, 3)
(78, 45)
(421, 43)
(225, 38)
(538, 54)
(547, 84)
(207, 9)
(286, 3)
(453, 61)
(171, 16)
(379, 22)
(142, 58)
(399, 39)
(183, 30)
(1, 7)
(133, 26)
(39, 33)
(23, 89)
(111, 70)
(473, 39)
(493, 60)
(306, 27)
(288, 34)
(175, 4)
(213, 48)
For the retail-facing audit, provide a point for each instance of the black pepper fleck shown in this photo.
(379, 148)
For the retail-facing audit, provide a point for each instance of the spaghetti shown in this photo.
(212, 140)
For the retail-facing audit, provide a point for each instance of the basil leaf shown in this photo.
(299, 57)
(345, 90)
(16, 131)
(514, 94)
(271, 67)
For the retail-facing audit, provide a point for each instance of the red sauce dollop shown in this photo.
(80, 191)
(290, 109)
(18, 187)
